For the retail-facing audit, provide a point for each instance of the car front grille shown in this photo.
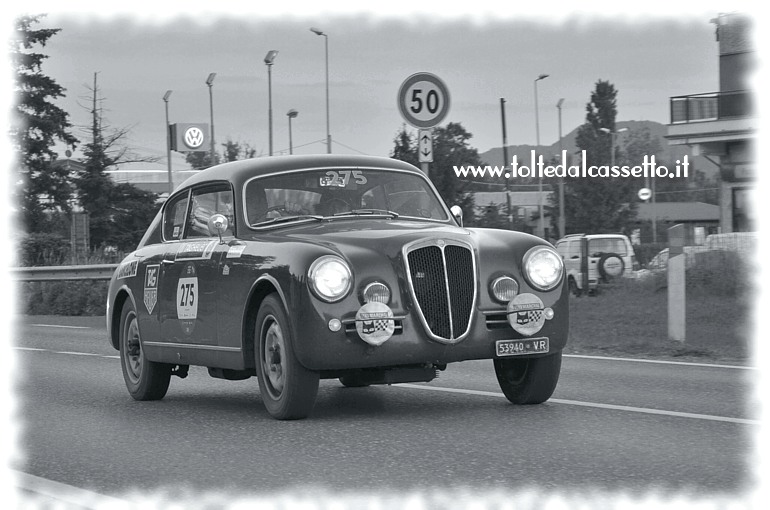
(442, 277)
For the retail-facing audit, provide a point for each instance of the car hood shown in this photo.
(380, 235)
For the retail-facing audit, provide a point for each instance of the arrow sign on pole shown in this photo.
(425, 147)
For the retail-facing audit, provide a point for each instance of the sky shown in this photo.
(480, 56)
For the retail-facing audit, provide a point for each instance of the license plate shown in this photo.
(520, 347)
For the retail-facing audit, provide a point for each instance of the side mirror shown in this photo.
(457, 212)
(218, 225)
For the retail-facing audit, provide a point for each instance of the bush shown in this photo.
(721, 272)
(645, 252)
(44, 249)
(87, 297)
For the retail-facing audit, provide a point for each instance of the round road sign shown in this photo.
(645, 194)
(423, 100)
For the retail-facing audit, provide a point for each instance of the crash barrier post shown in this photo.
(676, 283)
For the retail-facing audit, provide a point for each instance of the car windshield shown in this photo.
(340, 193)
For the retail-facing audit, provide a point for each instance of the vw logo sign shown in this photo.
(193, 137)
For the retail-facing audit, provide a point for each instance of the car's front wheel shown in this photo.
(145, 379)
(528, 380)
(288, 389)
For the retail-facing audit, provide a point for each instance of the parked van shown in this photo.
(610, 256)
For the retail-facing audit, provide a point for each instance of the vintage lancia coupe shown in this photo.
(300, 268)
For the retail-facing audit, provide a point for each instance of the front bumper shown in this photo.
(319, 348)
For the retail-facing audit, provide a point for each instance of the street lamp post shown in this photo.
(210, 83)
(562, 222)
(505, 162)
(291, 114)
(326, 47)
(168, 144)
(540, 178)
(269, 58)
(613, 135)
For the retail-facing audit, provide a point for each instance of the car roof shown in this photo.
(240, 171)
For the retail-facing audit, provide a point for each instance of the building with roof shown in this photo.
(722, 125)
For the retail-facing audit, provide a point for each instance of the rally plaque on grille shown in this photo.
(520, 347)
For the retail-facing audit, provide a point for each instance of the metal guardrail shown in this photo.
(61, 273)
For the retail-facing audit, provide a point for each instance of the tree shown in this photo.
(599, 204)
(37, 126)
(450, 148)
(97, 193)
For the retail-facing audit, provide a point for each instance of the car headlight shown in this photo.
(330, 278)
(504, 288)
(543, 267)
(376, 292)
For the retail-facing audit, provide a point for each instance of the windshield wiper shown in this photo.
(285, 219)
(362, 212)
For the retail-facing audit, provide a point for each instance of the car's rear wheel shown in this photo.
(288, 389)
(528, 380)
(145, 379)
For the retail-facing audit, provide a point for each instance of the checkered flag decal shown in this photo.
(529, 316)
(373, 326)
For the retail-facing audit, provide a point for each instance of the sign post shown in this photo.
(423, 100)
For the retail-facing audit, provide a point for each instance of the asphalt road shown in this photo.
(613, 427)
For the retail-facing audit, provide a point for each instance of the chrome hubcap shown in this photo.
(132, 349)
(272, 358)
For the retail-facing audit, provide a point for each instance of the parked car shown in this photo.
(610, 256)
(300, 268)
(659, 263)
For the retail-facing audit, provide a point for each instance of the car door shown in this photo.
(191, 271)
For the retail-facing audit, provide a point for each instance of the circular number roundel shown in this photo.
(423, 100)
(193, 137)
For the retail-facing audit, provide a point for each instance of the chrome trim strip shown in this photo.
(441, 243)
(194, 346)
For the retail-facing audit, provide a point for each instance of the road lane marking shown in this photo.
(59, 326)
(63, 493)
(494, 394)
(662, 362)
(591, 404)
(36, 349)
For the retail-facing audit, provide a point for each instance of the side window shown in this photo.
(173, 218)
(206, 203)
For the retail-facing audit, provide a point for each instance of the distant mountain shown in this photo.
(668, 153)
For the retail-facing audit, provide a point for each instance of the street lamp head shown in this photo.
(292, 113)
(605, 130)
(316, 31)
(621, 130)
(543, 77)
(558, 105)
(210, 79)
(167, 95)
(270, 57)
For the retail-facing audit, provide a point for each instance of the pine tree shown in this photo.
(37, 126)
(595, 205)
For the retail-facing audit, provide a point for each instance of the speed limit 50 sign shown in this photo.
(423, 100)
